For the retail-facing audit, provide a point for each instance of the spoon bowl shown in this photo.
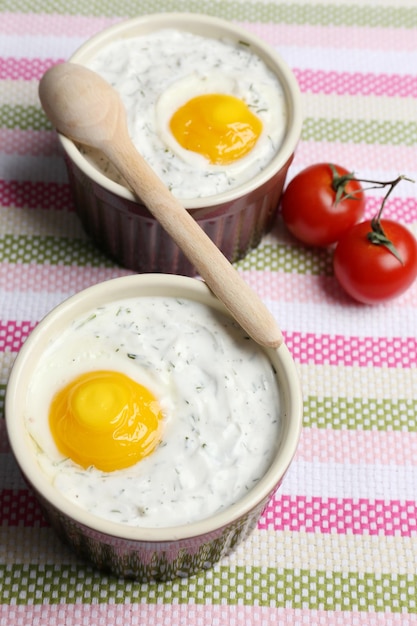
(81, 104)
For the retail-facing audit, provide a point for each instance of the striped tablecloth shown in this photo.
(338, 543)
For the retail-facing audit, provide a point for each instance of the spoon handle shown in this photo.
(222, 278)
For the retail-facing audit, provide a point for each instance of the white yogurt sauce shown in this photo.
(158, 72)
(218, 392)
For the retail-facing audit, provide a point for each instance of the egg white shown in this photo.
(263, 100)
(75, 359)
(155, 74)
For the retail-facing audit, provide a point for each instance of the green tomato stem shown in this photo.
(377, 235)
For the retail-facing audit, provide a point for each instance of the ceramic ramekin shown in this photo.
(235, 220)
(145, 553)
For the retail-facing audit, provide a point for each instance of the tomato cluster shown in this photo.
(374, 260)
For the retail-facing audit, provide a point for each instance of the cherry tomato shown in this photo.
(370, 272)
(314, 211)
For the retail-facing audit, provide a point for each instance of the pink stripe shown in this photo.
(340, 515)
(35, 194)
(13, 335)
(324, 445)
(22, 142)
(25, 69)
(305, 347)
(53, 195)
(310, 81)
(352, 156)
(46, 278)
(352, 351)
(157, 614)
(356, 83)
(403, 210)
(309, 514)
(307, 36)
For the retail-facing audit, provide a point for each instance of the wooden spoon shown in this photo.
(84, 107)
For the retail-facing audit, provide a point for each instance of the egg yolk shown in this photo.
(219, 126)
(105, 419)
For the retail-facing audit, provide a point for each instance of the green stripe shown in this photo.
(314, 129)
(380, 414)
(286, 258)
(286, 12)
(360, 131)
(23, 118)
(269, 587)
(51, 250)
